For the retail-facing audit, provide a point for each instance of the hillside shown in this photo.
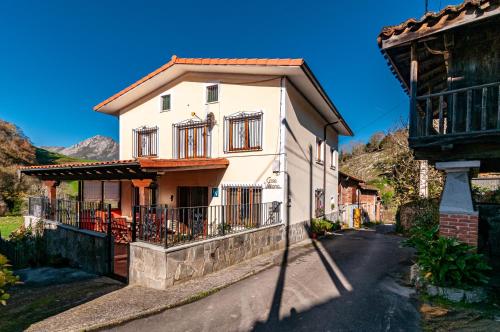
(17, 150)
(94, 148)
(386, 162)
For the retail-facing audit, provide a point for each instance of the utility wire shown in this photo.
(392, 109)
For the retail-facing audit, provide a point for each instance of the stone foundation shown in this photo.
(464, 227)
(156, 267)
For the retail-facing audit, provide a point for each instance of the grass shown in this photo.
(45, 157)
(9, 224)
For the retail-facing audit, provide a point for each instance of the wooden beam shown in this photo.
(413, 91)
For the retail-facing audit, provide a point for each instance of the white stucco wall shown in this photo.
(305, 175)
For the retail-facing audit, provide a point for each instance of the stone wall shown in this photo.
(464, 227)
(84, 249)
(157, 267)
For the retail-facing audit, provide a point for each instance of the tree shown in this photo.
(7, 279)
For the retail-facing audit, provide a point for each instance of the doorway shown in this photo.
(192, 196)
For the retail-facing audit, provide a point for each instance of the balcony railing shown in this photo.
(145, 142)
(191, 139)
(469, 110)
(168, 227)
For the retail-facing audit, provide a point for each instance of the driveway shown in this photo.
(348, 282)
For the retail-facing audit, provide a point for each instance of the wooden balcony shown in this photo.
(457, 124)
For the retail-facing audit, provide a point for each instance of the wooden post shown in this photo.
(468, 118)
(484, 101)
(413, 90)
(441, 116)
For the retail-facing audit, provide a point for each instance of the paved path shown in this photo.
(345, 283)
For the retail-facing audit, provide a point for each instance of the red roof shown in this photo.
(432, 22)
(205, 61)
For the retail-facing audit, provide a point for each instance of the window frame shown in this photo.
(229, 124)
(334, 158)
(153, 135)
(320, 151)
(178, 144)
(169, 95)
(207, 94)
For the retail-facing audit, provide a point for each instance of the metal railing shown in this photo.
(168, 226)
(87, 215)
(461, 111)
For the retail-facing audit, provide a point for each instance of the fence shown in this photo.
(93, 216)
(169, 227)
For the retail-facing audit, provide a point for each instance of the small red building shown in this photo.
(356, 193)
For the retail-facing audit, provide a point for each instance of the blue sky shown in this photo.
(60, 58)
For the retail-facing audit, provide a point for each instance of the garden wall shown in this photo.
(83, 249)
(157, 267)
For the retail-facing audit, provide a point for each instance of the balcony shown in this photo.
(457, 124)
(191, 139)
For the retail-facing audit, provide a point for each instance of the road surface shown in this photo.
(345, 283)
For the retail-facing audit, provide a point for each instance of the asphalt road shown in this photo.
(345, 283)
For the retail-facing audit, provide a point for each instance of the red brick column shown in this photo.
(464, 227)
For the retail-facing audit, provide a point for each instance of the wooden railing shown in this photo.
(469, 110)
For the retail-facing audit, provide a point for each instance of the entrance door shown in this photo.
(192, 210)
(192, 196)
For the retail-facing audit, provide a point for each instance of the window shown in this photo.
(243, 205)
(165, 103)
(334, 155)
(213, 93)
(191, 140)
(107, 192)
(145, 142)
(320, 151)
(243, 132)
(319, 203)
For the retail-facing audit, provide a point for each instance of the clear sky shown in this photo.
(60, 58)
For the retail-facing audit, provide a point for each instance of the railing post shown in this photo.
(441, 115)
(484, 101)
(134, 223)
(165, 209)
(110, 239)
(468, 118)
(223, 216)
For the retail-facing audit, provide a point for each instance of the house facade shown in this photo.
(222, 145)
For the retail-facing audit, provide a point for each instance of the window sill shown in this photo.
(211, 102)
(246, 150)
(165, 111)
(320, 162)
(333, 168)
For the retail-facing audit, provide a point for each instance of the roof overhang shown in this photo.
(395, 41)
(121, 169)
(295, 70)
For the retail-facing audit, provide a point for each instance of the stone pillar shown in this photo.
(142, 185)
(457, 217)
(424, 179)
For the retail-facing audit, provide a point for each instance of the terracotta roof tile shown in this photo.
(204, 61)
(79, 164)
(433, 20)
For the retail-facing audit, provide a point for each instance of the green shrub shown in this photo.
(7, 279)
(446, 261)
(320, 226)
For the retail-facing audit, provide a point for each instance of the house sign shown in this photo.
(272, 183)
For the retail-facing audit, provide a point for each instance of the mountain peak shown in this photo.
(97, 147)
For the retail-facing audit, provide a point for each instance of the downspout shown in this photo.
(325, 127)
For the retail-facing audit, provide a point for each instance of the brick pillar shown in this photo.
(457, 217)
(461, 226)
(142, 185)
